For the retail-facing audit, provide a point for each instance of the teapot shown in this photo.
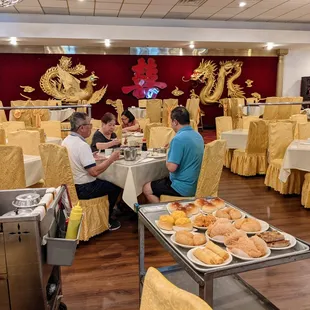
(130, 153)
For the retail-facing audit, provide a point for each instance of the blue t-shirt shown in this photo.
(186, 150)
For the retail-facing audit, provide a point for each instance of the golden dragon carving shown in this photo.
(118, 106)
(60, 83)
(214, 82)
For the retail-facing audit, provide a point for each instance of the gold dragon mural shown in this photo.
(214, 80)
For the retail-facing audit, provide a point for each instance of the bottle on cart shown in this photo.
(144, 147)
(74, 222)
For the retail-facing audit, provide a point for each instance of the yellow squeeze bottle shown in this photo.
(74, 222)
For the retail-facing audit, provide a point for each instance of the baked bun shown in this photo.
(184, 222)
(200, 202)
(173, 206)
(208, 207)
(181, 237)
(199, 239)
(191, 209)
(165, 222)
(248, 225)
(218, 202)
(178, 214)
(222, 214)
(234, 213)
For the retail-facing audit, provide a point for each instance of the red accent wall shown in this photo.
(115, 70)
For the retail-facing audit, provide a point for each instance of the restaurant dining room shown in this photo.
(154, 154)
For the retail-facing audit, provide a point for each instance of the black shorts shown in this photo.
(163, 187)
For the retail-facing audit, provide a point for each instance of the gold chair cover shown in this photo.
(153, 110)
(226, 106)
(3, 117)
(210, 172)
(96, 123)
(118, 131)
(251, 100)
(168, 106)
(236, 105)
(305, 194)
(21, 115)
(246, 120)
(57, 171)
(252, 160)
(148, 129)
(40, 130)
(12, 172)
(194, 124)
(280, 135)
(90, 138)
(2, 137)
(303, 131)
(160, 136)
(160, 294)
(142, 103)
(143, 122)
(28, 140)
(65, 125)
(299, 119)
(12, 126)
(192, 105)
(51, 128)
(39, 115)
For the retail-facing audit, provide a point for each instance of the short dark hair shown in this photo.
(128, 114)
(77, 119)
(107, 118)
(181, 115)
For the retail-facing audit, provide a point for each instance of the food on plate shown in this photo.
(228, 213)
(274, 239)
(248, 225)
(209, 207)
(173, 206)
(178, 214)
(165, 222)
(222, 227)
(187, 238)
(217, 250)
(218, 202)
(240, 244)
(204, 220)
(189, 209)
(184, 222)
(200, 202)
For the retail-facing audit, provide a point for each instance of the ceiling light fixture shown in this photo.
(7, 3)
(270, 46)
(192, 45)
(242, 4)
(13, 40)
(107, 42)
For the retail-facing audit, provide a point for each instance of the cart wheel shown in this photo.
(62, 306)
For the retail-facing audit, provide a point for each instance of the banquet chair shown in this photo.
(305, 194)
(252, 160)
(90, 138)
(246, 120)
(51, 128)
(193, 124)
(40, 130)
(2, 137)
(22, 115)
(280, 135)
(210, 172)
(57, 171)
(143, 122)
(303, 131)
(224, 123)
(160, 136)
(236, 105)
(142, 103)
(148, 129)
(12, 172)
(2, 114)
(160, 294)
(153, 110)
(299, 119)
(65, 129)
(12, 126)
(28, 140)
(118, 132)
(168, 106)
(96, 123)
(192, 106)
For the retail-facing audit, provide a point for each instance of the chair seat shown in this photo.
(166, 198)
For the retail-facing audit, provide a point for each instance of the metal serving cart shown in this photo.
(31, 253)
(205, 277)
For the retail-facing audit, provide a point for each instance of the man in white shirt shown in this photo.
(84, 167)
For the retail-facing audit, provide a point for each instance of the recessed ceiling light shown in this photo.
(13, 40)
(270, 46)
(242, 4)
(192, 45)
(107, 42)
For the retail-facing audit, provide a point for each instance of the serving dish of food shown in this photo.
(276, 240)
(229, 213)
(189, 209)
(202, 221)
(251, 225)
(188, 240)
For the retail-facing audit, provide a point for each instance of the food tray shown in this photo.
(152, 212)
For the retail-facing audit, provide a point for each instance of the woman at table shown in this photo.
(129, 123)
(105, 137)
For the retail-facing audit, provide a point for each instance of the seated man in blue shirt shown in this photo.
(184, 161)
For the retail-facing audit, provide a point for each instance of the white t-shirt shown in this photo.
(81, 158)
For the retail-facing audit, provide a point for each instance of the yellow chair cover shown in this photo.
(192, 105)
(143, 122)
(118, 131)
(226, 106)
(96, 123)
(280, 135)
(168, 106)
(12, 126)
(142, 103)
(210, 172)
(51, 128)
(194, 124)
(65, 125)
(153, 110)
(253, 159)
(148, 129)
(3, 117)
(39, 115)
(90, 138)
(305, 194)
(2, 137)
(299, 119)
(160, 294)
(57, 171)
(21, 115)
(236, 105)
(28, 140)
(303, 131)
(40, 130)
(246, 120)
(251, 100)
(12, 172)
(160, 136)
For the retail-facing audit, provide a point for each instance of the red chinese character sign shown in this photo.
(145, 80)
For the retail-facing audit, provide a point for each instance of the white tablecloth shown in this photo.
(61, 115)
(53, 140)
(33, 169)
(297, 156)
(137, 112)
(132, 138)
(235, 139)
(253, 111)
(131, 177)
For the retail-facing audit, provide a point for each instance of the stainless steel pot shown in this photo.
(130, 153)
(29, 200)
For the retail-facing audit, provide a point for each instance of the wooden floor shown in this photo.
(105, 270)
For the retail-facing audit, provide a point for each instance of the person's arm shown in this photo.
(134, 127)
(107, 145)
(98, 169)
(172, 167)
(174, 156)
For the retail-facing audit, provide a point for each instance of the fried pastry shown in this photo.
(248, 225)
(182, 238)
(271, 236)
(217, 250)
(222, 227)
(234, 213)
(260, 245)
(199, 239)
(279, 244)
(165, 222)
(222, 213)
(208, 257)
(178, 214)
(204, 220)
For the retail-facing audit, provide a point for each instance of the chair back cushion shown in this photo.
(2, 137)
(222, 123)
(160, 136)
(153, 110)
(51, 128)
(12, 126)
(168, 106)
(28, 140)
(148, 129)
(246, 120)
(258, 138)
(304, 131)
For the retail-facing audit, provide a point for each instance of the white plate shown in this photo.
(264, 225)
(242, 215)
(287, 237)
(198, 227)
(138, 134)
(166, 232)
(192, 258)
(157, 155)
(172, 238)
(217, 239)
(249, 258)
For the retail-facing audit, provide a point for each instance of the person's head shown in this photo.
(108, 123)
(127, 117)
(80, 123)
(179, 118)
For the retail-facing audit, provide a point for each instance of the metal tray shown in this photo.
(152, 213)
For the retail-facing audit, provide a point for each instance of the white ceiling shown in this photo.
(255, 10)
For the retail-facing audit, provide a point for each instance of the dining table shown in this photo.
(53, 140)
(297, 156)
(33, 169)
(236, 138)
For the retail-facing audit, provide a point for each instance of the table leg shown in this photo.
(207, 290)
(141, 257)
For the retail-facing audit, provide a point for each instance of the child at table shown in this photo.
(129, 123)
